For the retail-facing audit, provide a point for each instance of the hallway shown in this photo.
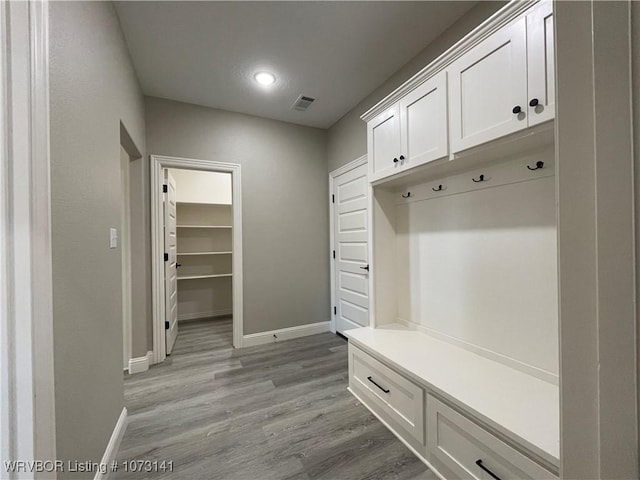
(277, 411)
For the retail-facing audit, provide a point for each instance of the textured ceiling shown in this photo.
(206, 53)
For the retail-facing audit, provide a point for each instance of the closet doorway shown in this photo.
(197, 247)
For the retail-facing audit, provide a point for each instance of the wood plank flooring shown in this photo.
(278, 411)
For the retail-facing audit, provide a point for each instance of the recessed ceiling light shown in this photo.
(264, 78)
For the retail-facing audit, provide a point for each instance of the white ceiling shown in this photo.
(337, 52)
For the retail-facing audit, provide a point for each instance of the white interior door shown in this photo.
(170, 264)
(351, 251)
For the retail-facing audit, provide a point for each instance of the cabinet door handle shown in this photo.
(401, 157)
(383, 389)
(395, 160)
(365, 268)
(493, 475)
(534, 102)
(517, 109)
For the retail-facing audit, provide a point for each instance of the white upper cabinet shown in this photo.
(423, 122)
(501, 84)
(488, 88)
(541, 73)
(383, 134)
(412, 132)
(505, 83)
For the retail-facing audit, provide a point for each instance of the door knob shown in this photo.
(534, 102)
(517, 109)
(401, 157)
(395, 160)
(365, 268)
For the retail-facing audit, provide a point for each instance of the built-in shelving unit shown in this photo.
(461, 357)
(205, 259)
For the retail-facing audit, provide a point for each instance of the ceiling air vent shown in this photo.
(302, 103)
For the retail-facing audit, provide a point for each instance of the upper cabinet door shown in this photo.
(542, 91)
(488, 88)
(383, 134)
(424, 122)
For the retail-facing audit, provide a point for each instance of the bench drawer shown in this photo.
(470, 451)
(387, 392)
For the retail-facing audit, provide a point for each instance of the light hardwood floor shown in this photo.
(277, 411)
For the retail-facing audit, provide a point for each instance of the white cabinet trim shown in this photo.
(595, 185)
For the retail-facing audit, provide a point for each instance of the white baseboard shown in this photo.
(150, 358)
(262, 338)
(140, 364)
(212, 313)
(111, 452)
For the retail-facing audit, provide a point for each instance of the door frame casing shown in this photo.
(158, 164)
(125, 249)
(27, 397)
(133, 154)
(358, 162)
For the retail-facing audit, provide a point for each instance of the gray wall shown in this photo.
(285, 218)
(140, 228)
(635, 46)
(93, 88)
(347, 138)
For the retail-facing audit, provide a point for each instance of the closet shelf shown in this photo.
(196, 277)
(204, 253)
(207, 204)
(204, 226)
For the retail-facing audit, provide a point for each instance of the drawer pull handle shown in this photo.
(381, 388)
(493, 475)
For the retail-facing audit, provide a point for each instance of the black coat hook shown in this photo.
(407, 195)
(439, 189)
(480, 179)
(539, 164)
